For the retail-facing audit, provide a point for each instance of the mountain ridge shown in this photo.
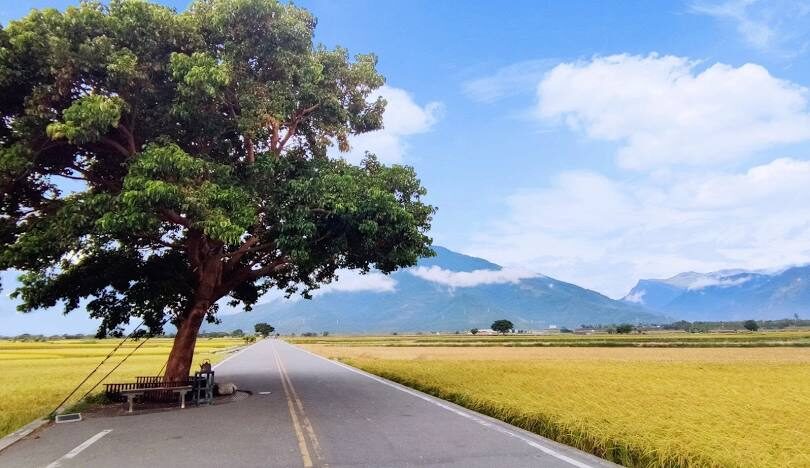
(448, 292)
(727, 294)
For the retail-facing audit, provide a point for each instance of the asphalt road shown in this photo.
(317, 413)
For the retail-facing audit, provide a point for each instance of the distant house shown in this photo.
(487, 331)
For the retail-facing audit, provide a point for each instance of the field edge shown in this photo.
(545, 426)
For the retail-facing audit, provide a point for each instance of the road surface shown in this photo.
(317, 413)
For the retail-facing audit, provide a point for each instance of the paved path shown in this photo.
(318, 413)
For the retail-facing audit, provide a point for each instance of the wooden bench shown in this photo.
(135, 392)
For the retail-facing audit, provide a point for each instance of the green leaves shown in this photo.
(87, 119)
(205, 194)
(195, 149)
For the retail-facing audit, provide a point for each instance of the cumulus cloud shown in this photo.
(403, 118)
(606, 233)
(777, 26)
(666, 110)
(468, 279)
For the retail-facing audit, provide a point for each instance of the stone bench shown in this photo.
(131, 394)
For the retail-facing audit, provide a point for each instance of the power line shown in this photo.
(94, 370)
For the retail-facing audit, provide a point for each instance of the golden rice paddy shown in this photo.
(637, 406)
(36, 376)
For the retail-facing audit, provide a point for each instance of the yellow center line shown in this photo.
(313, 439)
(302, 444)
(300, 418)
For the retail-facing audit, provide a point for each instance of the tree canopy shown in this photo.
(154, 162)
(264, 329)
(502, 326)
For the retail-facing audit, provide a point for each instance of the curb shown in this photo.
(21, 433)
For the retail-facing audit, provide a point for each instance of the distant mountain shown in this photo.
(727, 294)
(447, 292)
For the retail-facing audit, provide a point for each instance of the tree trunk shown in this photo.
(206, 261)
(179, 364)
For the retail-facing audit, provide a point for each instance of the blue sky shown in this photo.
(596, 142)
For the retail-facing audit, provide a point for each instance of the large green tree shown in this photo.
(154, 162)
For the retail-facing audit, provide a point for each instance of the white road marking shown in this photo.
(79, 448)
(462, 413)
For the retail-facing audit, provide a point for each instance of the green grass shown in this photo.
(36, 376)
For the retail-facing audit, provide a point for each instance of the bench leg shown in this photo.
(183, 400)
(130, 398)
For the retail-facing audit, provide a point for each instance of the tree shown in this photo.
(502, 326)
(149, 171)
(238, 332)
(264, 329)
(624, 328)
(474, 331)
(751, 325)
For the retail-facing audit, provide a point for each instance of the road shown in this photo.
(317, 413)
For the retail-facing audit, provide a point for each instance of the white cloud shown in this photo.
(664, 111)
(468, 279)
(707, 281)
(347, 281)
(606, 233)
(636, 297)
(353, 281)
(403, 118)
(774, 26)
(510, 80)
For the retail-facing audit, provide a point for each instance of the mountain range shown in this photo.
(727, 294)
(452, 291)
(448, 292)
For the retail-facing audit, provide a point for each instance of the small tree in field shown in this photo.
(264, 329)
(153, 163)
(474, 331)
(751, 325)
(502, 326)
(238, 332)
(624, 328)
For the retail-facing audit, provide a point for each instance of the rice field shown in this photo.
(665, 339)
(638, 406)
(36, 376)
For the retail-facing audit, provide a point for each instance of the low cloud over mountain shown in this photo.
(727, 294)
(448, 292)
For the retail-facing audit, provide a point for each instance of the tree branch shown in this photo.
(120, 148)
(130, 138)
(251, 156)
(173, 217)
(292, 126)
(249, 274)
